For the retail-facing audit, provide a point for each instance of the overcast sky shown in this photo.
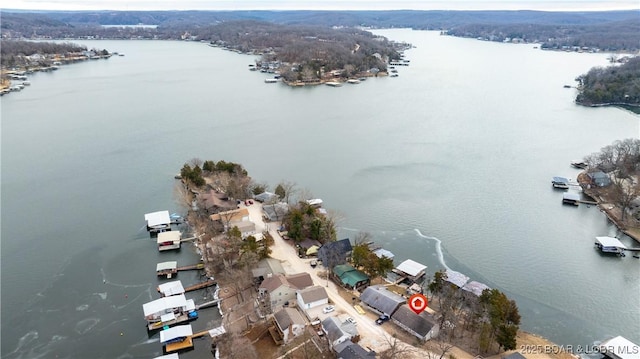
(560, 5)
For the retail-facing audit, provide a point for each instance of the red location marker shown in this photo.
(418, 303)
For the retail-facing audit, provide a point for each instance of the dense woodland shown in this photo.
(610, 30)
(616, 84)
(14, 53)
(306, 45)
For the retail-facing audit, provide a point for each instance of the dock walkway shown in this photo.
(191, 267)
(202, 285)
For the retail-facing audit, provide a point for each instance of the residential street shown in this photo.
(372, 335)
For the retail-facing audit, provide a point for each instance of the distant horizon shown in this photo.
(317, 5)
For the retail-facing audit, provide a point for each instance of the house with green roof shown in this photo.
(350, 277)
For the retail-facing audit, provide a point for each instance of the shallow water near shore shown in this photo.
(448, 164)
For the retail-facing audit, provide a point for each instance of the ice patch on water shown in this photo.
(82, 307)
(438, 248)
(86, 325)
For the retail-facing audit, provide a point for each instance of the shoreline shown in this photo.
(530, 345)
(609, 209)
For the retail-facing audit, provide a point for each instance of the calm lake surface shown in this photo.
(448, 164)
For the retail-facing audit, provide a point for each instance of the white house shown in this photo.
(312, 297)
(282, 289)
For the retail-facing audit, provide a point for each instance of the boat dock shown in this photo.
(188, 239)
(202, 285)
(177, 346)
(208, 304)
(191, 267)
(177, 320)
(172, 345)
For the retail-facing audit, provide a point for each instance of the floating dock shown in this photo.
(167, 269)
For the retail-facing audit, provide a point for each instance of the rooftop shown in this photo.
(411, 267)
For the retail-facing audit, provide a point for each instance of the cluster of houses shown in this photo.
(296, 302)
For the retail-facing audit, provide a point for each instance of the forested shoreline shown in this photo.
(616, 85)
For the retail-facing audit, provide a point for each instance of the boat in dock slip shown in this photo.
(169, 240)
(560, 183)
(158, 222)
(168, 311)
(168, 356)
(619, 348)
(177, 338)
(167, 269)
(171, 288)
(610, 245)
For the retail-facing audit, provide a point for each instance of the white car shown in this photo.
(328, 309)
(352, 321)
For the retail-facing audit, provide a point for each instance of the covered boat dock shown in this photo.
(610, 245)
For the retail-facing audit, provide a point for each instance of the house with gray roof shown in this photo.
(599, 179)
(351, 350)
(380, 300)
(282, 289)
(338, 332)
(422, 326)
(334, 253)
(275, 212)
(289, 322)
(312, 297)
(266, 197)
(267, 268)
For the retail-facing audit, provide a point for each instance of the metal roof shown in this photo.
(168, 356)
(170, 236)
(380, 252)
(610, 242)
(456, 278)
(620, 347)
(571, 196)
(475, 287)
(171, 288)
(381, 299)
(157, 218)
(411, 267)
(313, 294)
(166, 265)
(164, 303)
(560, 180)
(175, 332)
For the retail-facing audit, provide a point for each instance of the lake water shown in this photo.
(448, 164)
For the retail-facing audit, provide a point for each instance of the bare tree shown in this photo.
(182, 195)
(396, 349)
(237, 346)
(196, 162)
(438, 349)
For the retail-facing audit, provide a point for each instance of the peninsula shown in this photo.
(281, 295)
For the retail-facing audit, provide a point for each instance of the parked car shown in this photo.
(352, 321)
(381, 319)
(313, 263)
(328, 309)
